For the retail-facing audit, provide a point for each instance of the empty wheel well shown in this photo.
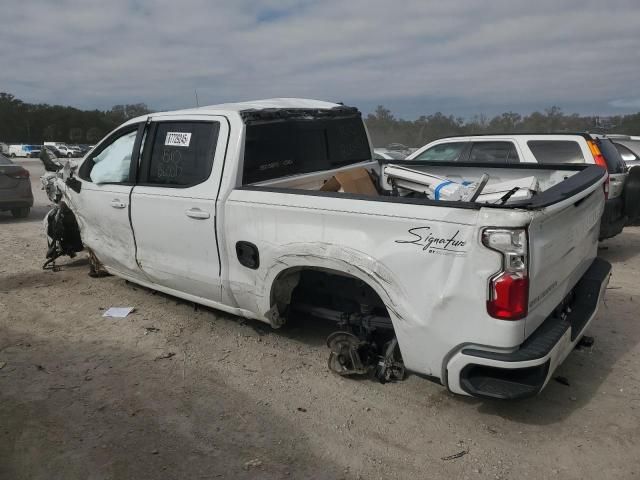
(327, 291)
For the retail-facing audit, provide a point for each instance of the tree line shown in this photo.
(385, 128)
(22, 122)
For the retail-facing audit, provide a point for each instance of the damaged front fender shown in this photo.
(63, 234)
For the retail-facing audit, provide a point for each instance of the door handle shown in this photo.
(116, 203)
(197, 213)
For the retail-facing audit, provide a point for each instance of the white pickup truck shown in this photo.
(274, 209)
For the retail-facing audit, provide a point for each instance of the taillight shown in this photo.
(600, 161)
(22, 173)
(508, 297)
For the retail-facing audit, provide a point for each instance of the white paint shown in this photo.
(436, 297)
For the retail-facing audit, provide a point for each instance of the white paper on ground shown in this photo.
(118, 312)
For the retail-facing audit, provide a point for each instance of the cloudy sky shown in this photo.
(416, 56)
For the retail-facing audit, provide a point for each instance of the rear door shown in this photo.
(173, 205)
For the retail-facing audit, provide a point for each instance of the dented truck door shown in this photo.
(102, 203)
(173, 204)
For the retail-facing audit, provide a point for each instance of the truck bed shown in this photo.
(555, 184)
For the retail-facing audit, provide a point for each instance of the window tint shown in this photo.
(182, 153)
(445, 152)
(293, 146)
(556, 151)
(493, 152)
(4, 160)
(111, 165)
(626, 154)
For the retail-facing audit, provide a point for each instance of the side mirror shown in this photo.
(74, 184)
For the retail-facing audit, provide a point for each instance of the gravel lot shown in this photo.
(85, 397)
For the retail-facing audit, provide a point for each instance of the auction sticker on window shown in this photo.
(177, 139)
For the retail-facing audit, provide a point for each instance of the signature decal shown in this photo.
(430, 243)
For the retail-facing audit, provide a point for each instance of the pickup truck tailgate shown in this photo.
(563, 242)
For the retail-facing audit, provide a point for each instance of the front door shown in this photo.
(173, 206)
(102, 205)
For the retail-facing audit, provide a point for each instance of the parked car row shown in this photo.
(474, 262)
(24, 151)
(60, 149)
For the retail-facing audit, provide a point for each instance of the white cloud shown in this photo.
(501, 53)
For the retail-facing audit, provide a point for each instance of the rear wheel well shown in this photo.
(328, 290)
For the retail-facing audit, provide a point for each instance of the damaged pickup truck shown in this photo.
(482, 278)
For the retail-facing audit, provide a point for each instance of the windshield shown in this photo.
(4, 160)
(297, 145)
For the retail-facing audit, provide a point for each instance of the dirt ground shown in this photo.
(86, 397)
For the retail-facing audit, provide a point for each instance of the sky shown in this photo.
(460, 57)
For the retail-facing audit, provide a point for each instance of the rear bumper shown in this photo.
(523, 372)
(16, 203)
(613, 218)
(20, 197)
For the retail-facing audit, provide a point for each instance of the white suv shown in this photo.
(547, 149)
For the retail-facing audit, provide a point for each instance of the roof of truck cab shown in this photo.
(270, 103)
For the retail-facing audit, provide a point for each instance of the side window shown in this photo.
(493, 152)
(445, 152)
(556, 151)
(182, 153)
(626, 154)
(111, 163)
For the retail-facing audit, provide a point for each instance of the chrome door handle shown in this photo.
(197, 213)
(116, 203)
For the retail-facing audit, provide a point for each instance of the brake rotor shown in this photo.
(346, 354)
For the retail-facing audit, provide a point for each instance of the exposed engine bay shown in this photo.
(60, 224)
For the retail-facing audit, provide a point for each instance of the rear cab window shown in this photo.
(551, 152)
(298, 142)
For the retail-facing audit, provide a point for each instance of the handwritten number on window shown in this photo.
(171, 164)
